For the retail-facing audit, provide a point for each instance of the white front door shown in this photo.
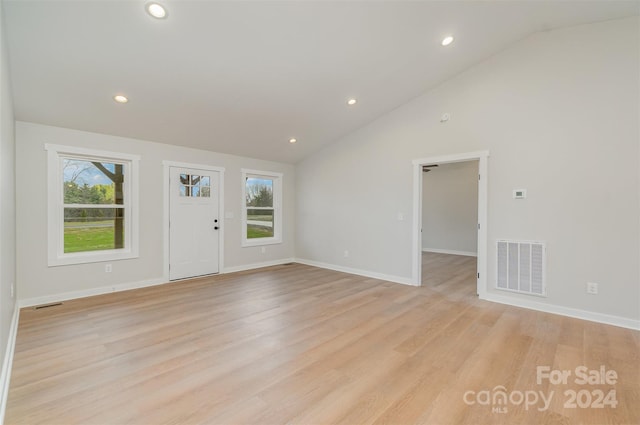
(194, 222)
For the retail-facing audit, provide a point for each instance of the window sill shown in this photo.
(91, 257)
(260, 242)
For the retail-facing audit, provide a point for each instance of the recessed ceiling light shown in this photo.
(447, 40)
(293, 140)
(352, 102)
(120, 98)
(156, 10)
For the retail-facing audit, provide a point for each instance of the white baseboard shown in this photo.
(359, 272)
(66, 296)
(591, 316)
(450, 251)
(72, 295)
(498, 298)
(258, 265)
(5, 377)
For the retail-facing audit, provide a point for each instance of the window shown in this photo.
(195, 186)
(261, 208)
(92, 205)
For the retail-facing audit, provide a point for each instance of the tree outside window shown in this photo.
(93, 203)
(262, 212)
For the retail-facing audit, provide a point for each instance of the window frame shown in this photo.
(56, 154)
(277, 208)
(188, 193)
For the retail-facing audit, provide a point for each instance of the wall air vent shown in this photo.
(521, 267)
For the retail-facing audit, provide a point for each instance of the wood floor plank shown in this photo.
(301, 345)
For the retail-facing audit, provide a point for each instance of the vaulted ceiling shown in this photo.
(244, 77)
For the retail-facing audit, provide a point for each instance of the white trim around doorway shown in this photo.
(482, 158)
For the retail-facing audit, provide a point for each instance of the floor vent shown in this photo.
(38, 307)
(521, 267)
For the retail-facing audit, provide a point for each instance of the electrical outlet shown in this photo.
(263, 249)
(346, 253)
(107, 268)
(592, 288)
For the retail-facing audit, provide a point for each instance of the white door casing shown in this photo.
(194, 222)
(482, 158)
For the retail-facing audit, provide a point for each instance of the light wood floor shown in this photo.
(297, 344)
(449, 273)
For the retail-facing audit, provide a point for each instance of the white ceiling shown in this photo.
(243, 77)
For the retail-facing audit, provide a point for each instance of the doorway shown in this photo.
(450, 226)
(481, 242)
(194, 222)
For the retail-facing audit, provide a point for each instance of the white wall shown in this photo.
(450, 208)
(7, 200)
(35, 279)
(558, 113)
